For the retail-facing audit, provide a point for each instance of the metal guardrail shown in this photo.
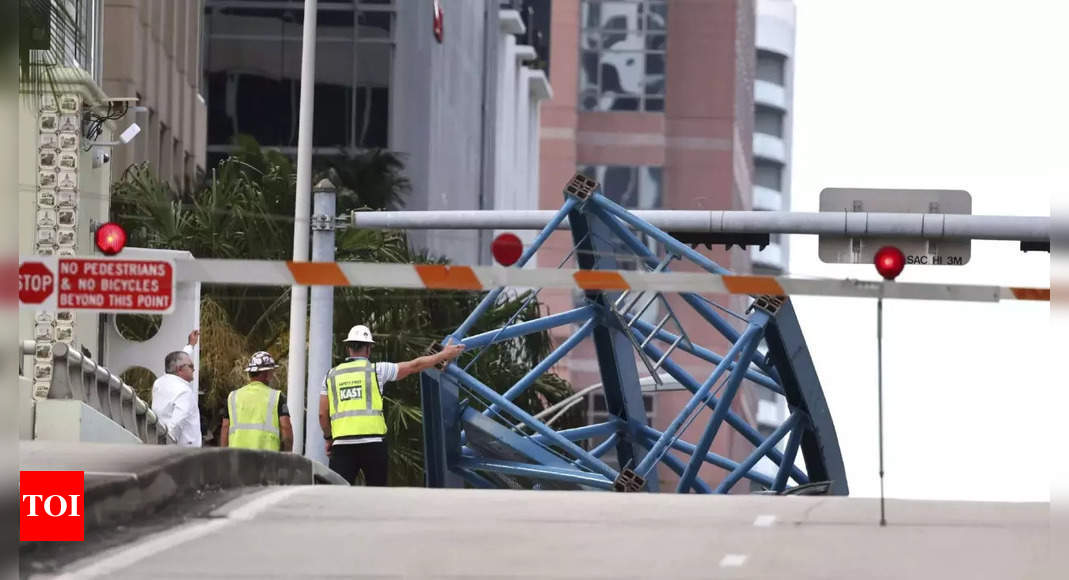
(75, 376)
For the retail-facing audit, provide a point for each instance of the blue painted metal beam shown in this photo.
(605, 445)
(529, 327)
(712, 458)
(641, 330)
(475, 479)
(519, 414)
(533, 471)
(695, 301)
(677, 466)
(820, 444)
(441, 433)
(547, 363)
(492, 297)
(751, 461)
(790, 452)
(751, 334)
(744, 428)
(507, 442)
(586, 432)
(759, 319)
(613, 348)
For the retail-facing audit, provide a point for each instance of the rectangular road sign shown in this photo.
(918, 251)
(97, 284)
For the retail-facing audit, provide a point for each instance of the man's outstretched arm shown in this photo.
(423, 363)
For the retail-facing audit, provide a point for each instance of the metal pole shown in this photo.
(321, 322)
(852, 224)
(879, 394)
(296, 375)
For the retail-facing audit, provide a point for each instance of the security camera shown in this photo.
(100, 157)
(130, 132)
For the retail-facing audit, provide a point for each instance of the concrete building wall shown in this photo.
(151, 50)
(438, 121)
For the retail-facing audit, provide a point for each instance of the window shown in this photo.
(622, 57)
(771, 67)
(768, 174)
(86, 14)
(768, 121)
(252, 67)
(633, 187)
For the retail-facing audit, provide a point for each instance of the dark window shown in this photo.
(768, 174)
(771, 67)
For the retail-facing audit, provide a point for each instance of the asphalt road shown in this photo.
(328, 531)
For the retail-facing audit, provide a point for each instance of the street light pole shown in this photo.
(296, 373)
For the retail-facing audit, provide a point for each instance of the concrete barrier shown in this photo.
(124, 483)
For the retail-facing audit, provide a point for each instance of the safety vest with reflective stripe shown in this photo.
(254, 421)
(354, 399)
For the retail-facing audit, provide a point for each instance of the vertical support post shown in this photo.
(879, 395)
(321, 321)
(296, 374)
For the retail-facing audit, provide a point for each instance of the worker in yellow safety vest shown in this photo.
(350, 406)
(256, 415)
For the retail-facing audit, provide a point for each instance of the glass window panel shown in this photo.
(620, 63)
(375, 25)
(589, 15)
(654, 81)
(768, 121)
(657, 17)
(768, 174)
(590, 41)
(770, 67)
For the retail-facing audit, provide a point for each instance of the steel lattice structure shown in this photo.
(499, 444)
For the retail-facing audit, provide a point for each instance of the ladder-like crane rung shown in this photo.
(667, 352)
(641, 311)
(655, 330)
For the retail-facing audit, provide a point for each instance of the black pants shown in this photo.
(349, 458)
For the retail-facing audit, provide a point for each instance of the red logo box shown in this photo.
(51, 506)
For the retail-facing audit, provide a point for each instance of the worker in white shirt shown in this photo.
(174, 400)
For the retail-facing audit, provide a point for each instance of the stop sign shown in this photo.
(36, 282)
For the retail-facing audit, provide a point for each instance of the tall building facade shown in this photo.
(137, 62)
(655, 99)
(773, 119)
(451, 86)
(151, 52)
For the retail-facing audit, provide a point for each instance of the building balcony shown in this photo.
(769, 147)
(769, 94)
(767, 199)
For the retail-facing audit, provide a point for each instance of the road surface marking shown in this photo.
(733, 560)
(764, 521)
(128, 556)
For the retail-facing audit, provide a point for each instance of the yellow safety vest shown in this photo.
(254, 417)
(354, 400)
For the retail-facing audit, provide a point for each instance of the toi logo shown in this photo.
(51, 506)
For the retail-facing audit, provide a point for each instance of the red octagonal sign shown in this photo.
(36, 282)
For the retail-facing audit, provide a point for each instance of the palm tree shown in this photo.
(244, 210)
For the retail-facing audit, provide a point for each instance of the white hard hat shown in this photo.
(261, 361)
(359, 333)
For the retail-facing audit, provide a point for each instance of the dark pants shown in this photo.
(371, 458)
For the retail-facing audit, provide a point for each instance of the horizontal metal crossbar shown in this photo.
(479, 278)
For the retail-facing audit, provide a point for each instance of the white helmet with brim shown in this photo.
(359, 333)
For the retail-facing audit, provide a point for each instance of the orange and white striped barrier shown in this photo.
(440, 277)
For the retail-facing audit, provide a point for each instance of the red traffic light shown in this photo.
(110, 238)
(507, 249)
(889, 262)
